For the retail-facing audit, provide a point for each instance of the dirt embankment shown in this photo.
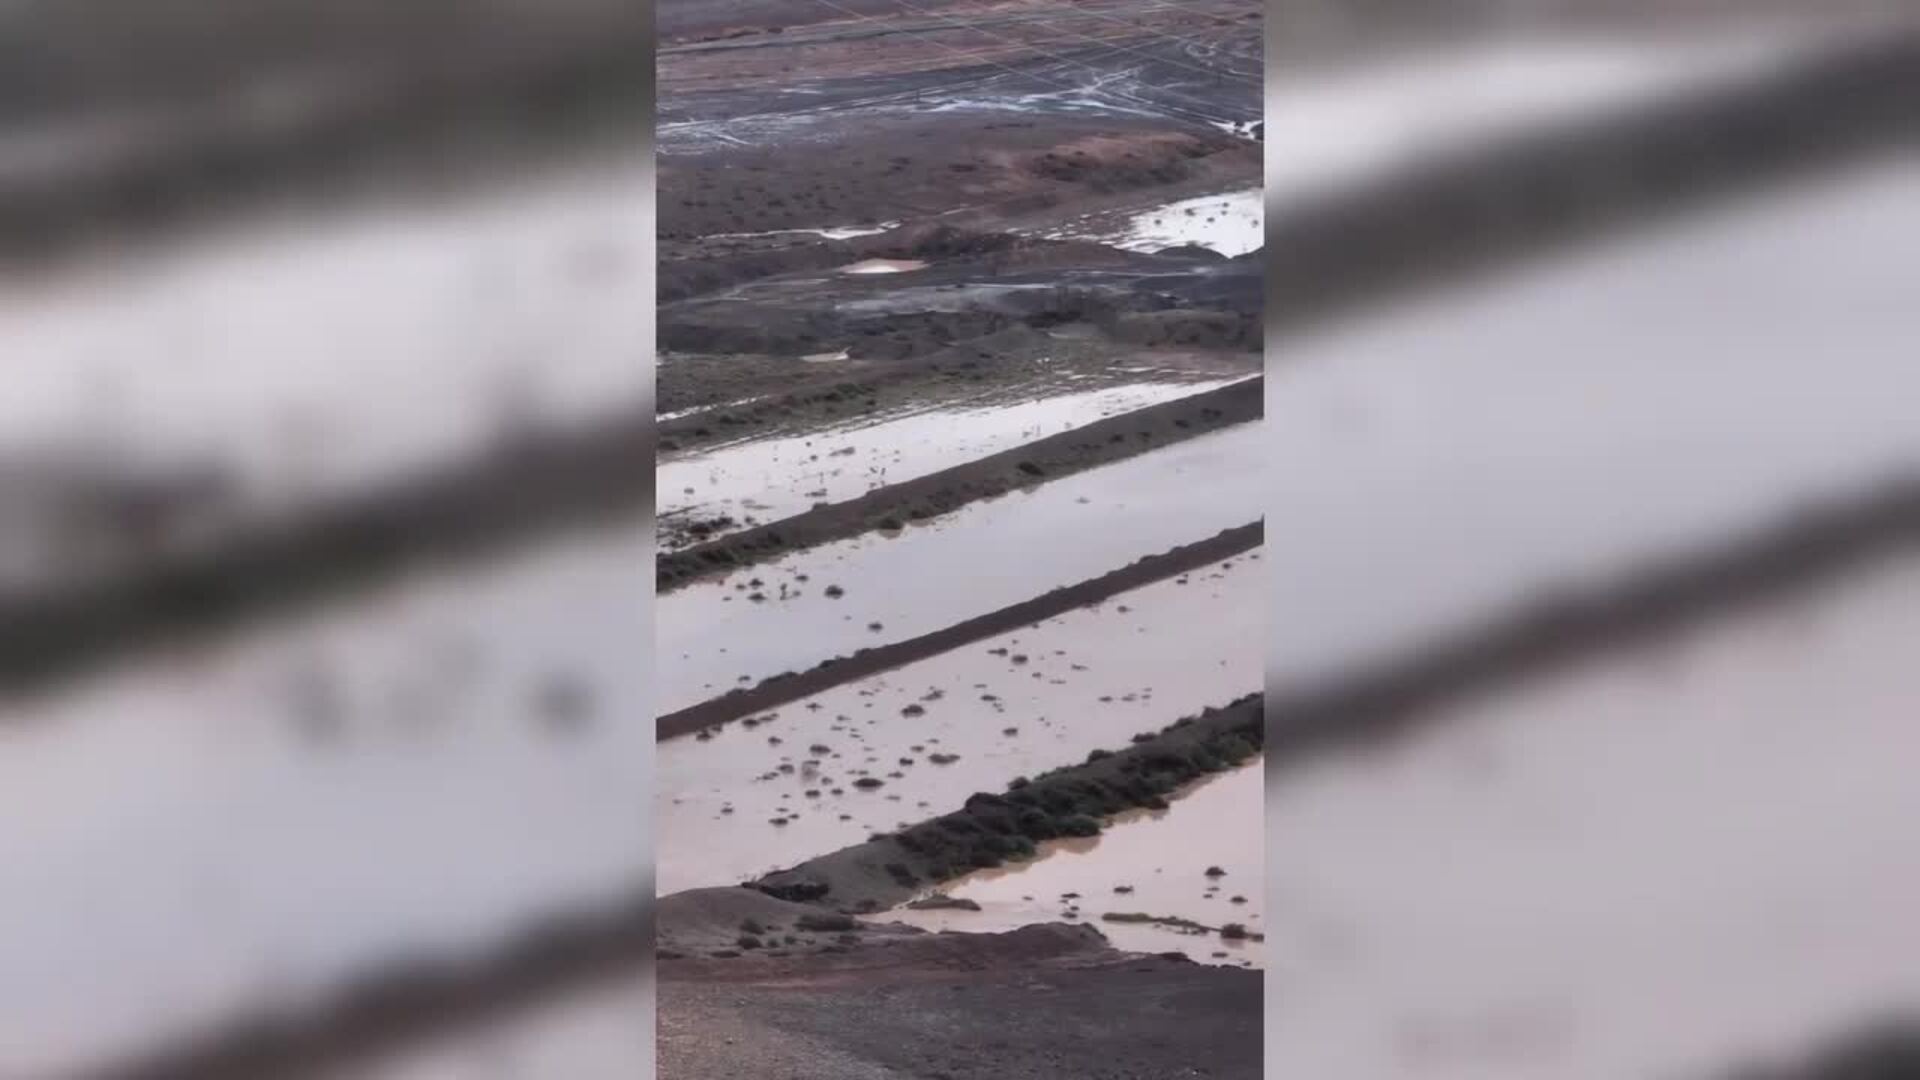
(920, 167)
(897, 507)
(1022, 1005)
(992, 829)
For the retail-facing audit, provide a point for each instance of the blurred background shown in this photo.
(1592, 413)
(325, 500)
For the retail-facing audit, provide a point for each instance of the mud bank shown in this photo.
(146, 148)
(898, 506)
(993, 829)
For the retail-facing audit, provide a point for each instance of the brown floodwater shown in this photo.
(1012, 706)
(1160, 857)
(715, 635)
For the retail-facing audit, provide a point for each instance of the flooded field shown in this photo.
(1416, 500)
(1147, 862)
(768, 479)
(1698, 816)
(827, 601)
(982, 357)
(1013, 706)
(327, 350)
(217, 829)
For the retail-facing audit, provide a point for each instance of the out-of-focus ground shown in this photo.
(324, 515)
(1586, 733)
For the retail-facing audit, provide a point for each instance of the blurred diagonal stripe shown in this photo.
(1487, 204)
(521, 492)
(132, 113)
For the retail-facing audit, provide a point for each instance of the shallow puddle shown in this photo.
(826, 601)
(884, 266)
(1013, 706)
(770, 479)
(1722, 817)
(1146, 862)
(242, 825)
(1232, 223)
(1443, 465)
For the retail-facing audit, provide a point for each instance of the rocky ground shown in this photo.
(816, 997)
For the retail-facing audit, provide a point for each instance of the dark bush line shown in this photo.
(993, 829)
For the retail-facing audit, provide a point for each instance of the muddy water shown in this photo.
(1090, 680)
(1441, 466)
(243, 825)
(1720, 817)
(715, 636)
(1160, 857)
(884, 266)
(774, 478)
(339, 347)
